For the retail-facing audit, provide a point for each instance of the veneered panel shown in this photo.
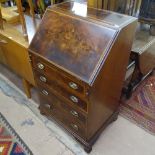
(78, 47)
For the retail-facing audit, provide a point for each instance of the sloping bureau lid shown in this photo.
(77, 45)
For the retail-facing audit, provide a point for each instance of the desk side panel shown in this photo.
(106, 90)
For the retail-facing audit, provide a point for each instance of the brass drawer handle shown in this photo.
(45, 92)
(73, 85)
(40, 66)
(3, 41)
(75, 127)
(74, 99)
(48, 106)
(74, 113)
(43, 79)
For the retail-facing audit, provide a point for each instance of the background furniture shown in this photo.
(17, 30)
(147, 14)
(79, 67)
(130, 7)
(142, 58)
(10, 14)
(14, 42)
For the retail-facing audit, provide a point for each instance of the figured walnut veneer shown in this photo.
(79, 57)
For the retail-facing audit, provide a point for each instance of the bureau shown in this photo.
(79, 57)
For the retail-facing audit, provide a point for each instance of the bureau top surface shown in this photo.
(76, 45)
(98, 15)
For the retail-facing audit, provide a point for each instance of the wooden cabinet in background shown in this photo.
(16, 31)
(79, 60)
(14, 54)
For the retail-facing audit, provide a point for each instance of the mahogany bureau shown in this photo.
(79, 57)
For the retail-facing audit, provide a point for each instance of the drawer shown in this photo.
(49, 82)
(71, 112)
(53, 110)
(58, 76)
(62, 93)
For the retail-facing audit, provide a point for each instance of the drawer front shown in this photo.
(48, 95)
(49, 82)
(69, 97)
(71, 113)
(54, 74)
(68, 120)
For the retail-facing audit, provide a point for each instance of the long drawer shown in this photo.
(61, 92)
(54, 74)
(54, 87)
(70, 118)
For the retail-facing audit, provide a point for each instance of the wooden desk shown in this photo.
(79, 60)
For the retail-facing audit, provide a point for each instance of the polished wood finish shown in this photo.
(79, 61)
(81, 49)
(62, 93)
(109, 95)
(53, 75)
(70, 111)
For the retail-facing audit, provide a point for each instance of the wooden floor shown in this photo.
(14, 78)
